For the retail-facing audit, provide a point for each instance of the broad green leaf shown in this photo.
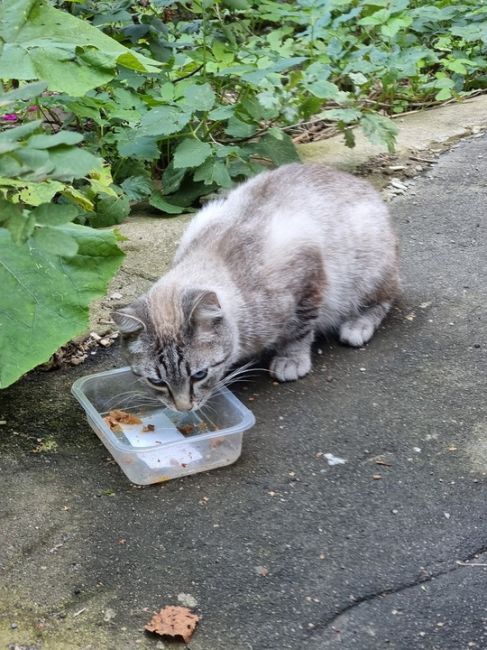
(358, 78)
(191, 153)
(327, 90)
(19, 222)
(240, 129)
(443, 94)
(78, 198)
(213, 171)
(199, 97)
(70, 163)
(132, 145)
(42, 42)
(346, 115)
(17, 134)
(221, 112)
(379, 130)
(161, 203)
(55, 241)
(27, 91)
(163, 120)
(377, 18)
(394, 25)
(46, 297)
(54, 214)
(279, 151)
(456, 65)
(109, 211)
(43, 192)
(48, 141)
(236, 4)
(172, 179)
(137, 187)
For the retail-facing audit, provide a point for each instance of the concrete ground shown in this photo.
(387, 550)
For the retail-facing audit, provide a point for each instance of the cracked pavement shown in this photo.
(388, 550)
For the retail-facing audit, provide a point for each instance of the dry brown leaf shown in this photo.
(148, 427)
(174, 620)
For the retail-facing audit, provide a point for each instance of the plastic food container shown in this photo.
(173, 444)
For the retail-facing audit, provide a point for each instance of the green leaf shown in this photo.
(163, 120)
(43, 192)
(10, 138)
(55, 241)
(54, 214)
(46, 297)
(443, 94)
(109, 210)
(172, 179)
(279, 151)
(70, 163)
(199, 97)
(456, 65)
(236, 4)
(221, 112)
(379, 130)
(377, 18)
(48, 141)
(327, 90)
(137, 187)
(240, 129)
(191, 153)
(346, 115)
(27, 91)
(213, 172)
(132, 145)
(161, 203)
(42, 42)
(394, 25)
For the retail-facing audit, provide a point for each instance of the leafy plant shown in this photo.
(239, 76)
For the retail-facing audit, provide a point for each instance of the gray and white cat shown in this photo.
(292, 252)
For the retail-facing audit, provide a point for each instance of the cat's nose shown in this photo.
(182, 404)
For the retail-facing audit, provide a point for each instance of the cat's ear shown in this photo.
(202, 308)
(130, 319)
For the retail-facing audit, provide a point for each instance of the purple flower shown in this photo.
(10, 117)
(33, 107)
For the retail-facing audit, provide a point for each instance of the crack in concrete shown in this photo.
(422, 579)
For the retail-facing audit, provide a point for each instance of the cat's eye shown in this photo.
(198, 376)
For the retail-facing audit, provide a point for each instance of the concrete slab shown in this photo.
(353, 560)
(151, 242)
(417, 132)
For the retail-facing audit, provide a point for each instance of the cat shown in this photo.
(289, 253)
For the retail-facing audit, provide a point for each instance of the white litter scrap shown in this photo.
(334, 460)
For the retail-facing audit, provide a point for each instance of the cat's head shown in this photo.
(180, 342)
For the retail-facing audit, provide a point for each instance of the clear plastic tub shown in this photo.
(173, 444)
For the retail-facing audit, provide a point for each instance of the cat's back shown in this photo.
(290, 204)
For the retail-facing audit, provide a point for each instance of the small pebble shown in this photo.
(14, 626)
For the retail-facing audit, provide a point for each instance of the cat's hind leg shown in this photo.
(357, 331)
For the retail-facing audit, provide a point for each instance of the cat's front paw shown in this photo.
(290, 368)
